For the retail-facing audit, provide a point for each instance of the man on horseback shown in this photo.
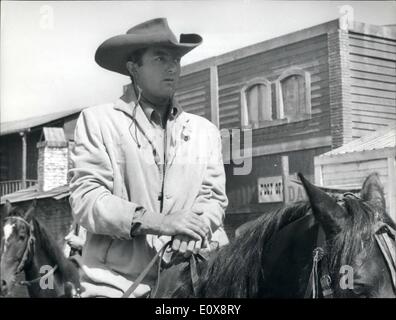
(144, 171)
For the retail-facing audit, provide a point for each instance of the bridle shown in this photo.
(385, 237)
(28, 254)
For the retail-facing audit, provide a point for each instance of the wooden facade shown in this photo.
(339, 79)
(351, 82)
(348, 166)
(373, 79)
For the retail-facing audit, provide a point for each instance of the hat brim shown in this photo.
(113, 54)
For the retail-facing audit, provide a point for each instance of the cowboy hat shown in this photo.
(114, 52)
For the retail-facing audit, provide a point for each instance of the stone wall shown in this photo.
(339, 86)
(53, 163)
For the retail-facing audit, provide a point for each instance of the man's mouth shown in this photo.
(170, 80)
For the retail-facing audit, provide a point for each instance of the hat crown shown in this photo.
(158, 26)
(113, 53)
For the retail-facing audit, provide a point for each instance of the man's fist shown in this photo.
(184, 222)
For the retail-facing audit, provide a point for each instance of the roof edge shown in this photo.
(296, 36)
(266, 45)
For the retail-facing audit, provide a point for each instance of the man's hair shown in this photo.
(136, 57)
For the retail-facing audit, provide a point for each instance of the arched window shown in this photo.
(293, 90)
(256, 105)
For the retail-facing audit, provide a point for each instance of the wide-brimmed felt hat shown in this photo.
(113, 53)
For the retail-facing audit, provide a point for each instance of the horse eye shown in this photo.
(22, 237)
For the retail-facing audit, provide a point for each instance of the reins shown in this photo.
(315, 283)
(158, 256)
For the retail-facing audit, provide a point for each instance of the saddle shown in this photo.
(170, 277)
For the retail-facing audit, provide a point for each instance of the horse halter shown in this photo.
(27, 254)
(319, 257)
(385, 237)
(29, 243)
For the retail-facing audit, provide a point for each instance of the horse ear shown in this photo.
(8, 207)
(327, 212)
(373, 191)
(29, 211)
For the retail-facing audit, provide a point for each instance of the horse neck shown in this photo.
(46, 255)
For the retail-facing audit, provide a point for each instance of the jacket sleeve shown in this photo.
(212, 198)
(92, 200)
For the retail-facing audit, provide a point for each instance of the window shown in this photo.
(256, 105)
(293, 91)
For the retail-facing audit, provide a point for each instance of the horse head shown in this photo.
(359, 246)
(16, 244)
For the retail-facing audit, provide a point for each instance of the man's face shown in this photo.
(158, 74)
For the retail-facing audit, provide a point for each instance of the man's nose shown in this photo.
(173, 67)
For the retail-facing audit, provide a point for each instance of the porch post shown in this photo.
(24, 156)
(285, 177)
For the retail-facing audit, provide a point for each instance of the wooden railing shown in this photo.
(11, 186)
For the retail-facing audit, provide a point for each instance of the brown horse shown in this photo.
(28, 246)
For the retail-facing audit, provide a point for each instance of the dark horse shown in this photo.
(27, 246)
(322, 248)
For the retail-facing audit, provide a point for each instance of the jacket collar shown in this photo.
(127, 102)
(177, 130)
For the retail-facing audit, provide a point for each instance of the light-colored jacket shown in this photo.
(115, 174)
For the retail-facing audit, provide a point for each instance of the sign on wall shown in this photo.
(270, 189)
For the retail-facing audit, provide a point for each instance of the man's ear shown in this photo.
(131, 67)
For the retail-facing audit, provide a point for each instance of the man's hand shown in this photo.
(185, 246)
(74, 241)
(184, 223)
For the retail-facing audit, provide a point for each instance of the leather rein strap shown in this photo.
(146, 270)
(319, 260)
(384, 237)
(159, 256)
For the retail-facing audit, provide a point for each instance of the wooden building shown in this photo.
(349, 165)
(18, 147)
(298, 95)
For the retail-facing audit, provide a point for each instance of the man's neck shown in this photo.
(161, 111)
(161, 107)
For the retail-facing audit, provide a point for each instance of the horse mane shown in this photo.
(51, 247)
(239, 263)
(357, 236)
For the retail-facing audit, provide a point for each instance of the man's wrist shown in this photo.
(146, 222)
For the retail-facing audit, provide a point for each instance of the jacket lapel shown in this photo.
(178, 137)
(139, 116)
(177, 133)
